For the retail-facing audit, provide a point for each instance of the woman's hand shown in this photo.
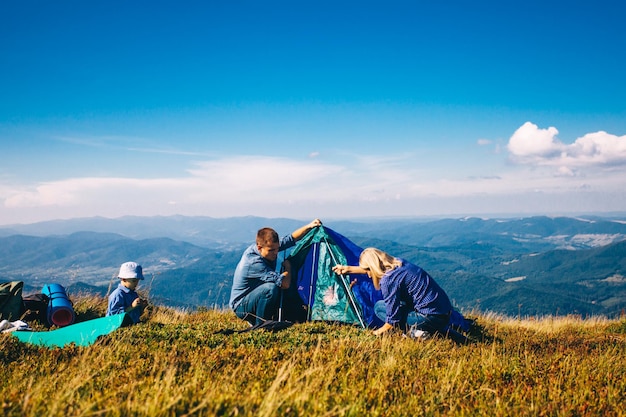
(341, 269)
(348, 269)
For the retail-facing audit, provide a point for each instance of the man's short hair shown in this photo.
(265, 236)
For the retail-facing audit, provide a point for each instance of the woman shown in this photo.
(405, 287)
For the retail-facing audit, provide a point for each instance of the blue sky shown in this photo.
(309, 109)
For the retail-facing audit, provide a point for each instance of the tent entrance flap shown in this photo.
(346, 286)
(311, 280)
(331, 297)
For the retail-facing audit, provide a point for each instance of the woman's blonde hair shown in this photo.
(377, 263)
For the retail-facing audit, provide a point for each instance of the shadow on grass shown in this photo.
(478, 333)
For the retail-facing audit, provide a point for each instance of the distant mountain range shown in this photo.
(202, 231)
(522, 266)
(90, 257)
(533, 233)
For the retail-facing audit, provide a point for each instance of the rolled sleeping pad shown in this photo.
(60, 309)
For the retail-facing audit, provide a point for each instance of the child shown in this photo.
(124, 299)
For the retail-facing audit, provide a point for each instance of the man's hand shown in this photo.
(298, 234)
(286, 275)
(315, 223)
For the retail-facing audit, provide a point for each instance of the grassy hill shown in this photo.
(176, 364)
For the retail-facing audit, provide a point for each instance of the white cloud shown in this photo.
(349, 185)
(566, 172)
(127, 143)
(257, 180)
(599, 148)
(253, 182)
(76, 191)
(483, 142)
(231, 180)
(532, 145)
(253, 177)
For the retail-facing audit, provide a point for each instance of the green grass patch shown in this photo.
(176, 363)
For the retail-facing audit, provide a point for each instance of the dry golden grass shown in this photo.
(176, 364)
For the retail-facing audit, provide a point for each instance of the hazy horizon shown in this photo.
(485, 216)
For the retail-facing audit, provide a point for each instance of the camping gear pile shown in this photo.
(51, 307)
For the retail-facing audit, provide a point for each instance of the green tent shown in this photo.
(332, 297)
(81, 334)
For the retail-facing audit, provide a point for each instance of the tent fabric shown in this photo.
(330, 297)
(81, 334)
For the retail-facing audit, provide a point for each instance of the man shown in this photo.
(256, 291)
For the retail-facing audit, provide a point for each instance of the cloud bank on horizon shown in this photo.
(355, 185)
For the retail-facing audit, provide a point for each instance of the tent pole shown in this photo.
(310, 304)
(280, 306)
(346, 287)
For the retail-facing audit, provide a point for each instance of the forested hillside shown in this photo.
(531, 266)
